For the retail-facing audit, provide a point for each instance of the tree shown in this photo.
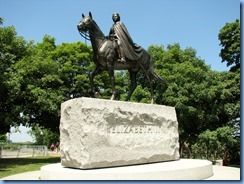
(216, 144)
(229, 37)
(74, 62)
(201, 96)
(50, 75)
(3, 138)
(12, 49)
(43, 136)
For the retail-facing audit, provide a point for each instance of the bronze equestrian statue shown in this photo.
(117, 52)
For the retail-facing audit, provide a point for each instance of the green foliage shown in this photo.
(204, 99)
(74, 61)
(216, 144)
(50, 75)
(12, 49)
(44, 136)
(3, 138)
(141, 95)
(193, 89)
(229, 37)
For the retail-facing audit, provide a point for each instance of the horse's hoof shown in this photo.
(112, 97)
(96, 95)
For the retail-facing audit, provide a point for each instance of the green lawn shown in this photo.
(10, 166)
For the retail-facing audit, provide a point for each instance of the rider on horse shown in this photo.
(124, 44)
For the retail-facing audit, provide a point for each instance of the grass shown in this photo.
(11, 166)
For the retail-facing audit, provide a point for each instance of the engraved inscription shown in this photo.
(137, 129)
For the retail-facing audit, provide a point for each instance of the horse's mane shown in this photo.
(98, 28)
(99, 34)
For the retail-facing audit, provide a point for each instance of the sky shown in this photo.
(20, 135)
(191, 23)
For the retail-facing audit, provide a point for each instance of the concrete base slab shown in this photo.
(183, 169)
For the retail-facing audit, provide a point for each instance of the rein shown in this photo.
(87, 37)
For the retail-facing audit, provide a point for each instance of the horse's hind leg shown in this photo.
(132, 85)
(148, 73)
(150, 79)
(152, 92)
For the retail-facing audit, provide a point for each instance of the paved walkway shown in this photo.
(220, 173)
(34, 175)
(225, 173)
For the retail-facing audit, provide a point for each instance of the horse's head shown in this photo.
(85, 23)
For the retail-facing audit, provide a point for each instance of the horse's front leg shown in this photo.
(95, 72)
(112, 79)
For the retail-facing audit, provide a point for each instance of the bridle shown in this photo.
(87, 36)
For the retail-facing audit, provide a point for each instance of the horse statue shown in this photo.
(106, 58)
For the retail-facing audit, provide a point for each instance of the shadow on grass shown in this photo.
(7, 163)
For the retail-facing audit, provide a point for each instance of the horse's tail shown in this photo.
(155, 76)
(149, 71)
(158, 78)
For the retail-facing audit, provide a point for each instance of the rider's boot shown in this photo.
(121, 55)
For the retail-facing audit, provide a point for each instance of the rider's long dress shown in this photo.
(132, 50)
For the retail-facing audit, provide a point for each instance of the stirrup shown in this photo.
(122, 60)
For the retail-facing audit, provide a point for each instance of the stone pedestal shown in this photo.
(97, 133)
(183, 169)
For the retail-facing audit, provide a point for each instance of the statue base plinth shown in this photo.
(97, 133)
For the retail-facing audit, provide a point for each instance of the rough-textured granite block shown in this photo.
(97, 133)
